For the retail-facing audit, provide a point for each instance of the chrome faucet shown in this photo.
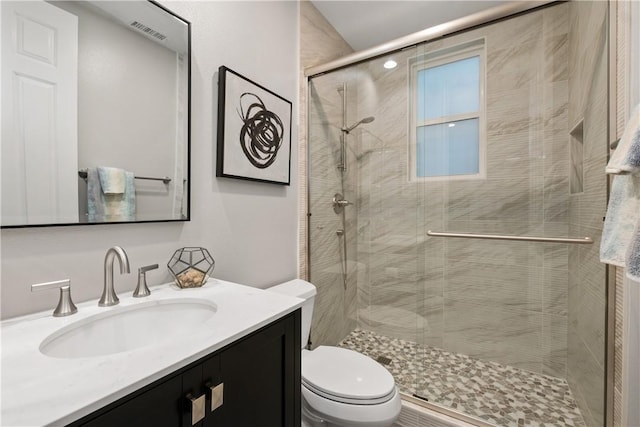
(109, 296)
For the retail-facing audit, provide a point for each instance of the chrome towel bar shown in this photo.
(579, 240)
(82, 173)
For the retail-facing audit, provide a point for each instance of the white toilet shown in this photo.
(340, 387)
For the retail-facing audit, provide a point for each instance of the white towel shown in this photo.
(623, 213)
(112, 180)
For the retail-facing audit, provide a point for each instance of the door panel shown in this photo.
(39, 149)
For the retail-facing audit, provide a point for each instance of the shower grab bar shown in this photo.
(82, 173)
(579, 240)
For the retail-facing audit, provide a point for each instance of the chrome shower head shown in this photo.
(352, 127)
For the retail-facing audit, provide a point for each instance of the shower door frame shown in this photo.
(492, 15)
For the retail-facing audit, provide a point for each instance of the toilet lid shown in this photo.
(345, 375)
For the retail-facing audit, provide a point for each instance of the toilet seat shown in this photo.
(346, 376)
(348, 414)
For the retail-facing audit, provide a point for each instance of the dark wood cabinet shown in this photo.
(154, 407)
(260, 377)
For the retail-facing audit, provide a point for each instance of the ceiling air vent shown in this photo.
(149, 31)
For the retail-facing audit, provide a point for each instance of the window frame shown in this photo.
(434, 59)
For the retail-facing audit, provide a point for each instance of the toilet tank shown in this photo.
(300, 289)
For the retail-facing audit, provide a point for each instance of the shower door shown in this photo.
(515, 321)
(500, 130)
(363, 257)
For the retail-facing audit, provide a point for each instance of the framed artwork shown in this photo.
(254, 131)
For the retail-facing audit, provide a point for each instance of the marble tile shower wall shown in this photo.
(588, 94)
(498, 301)
(319, 43)
(334, 315)
(334, 312)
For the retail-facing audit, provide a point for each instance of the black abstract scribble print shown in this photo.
(261, 134)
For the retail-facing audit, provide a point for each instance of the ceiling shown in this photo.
(364, 23)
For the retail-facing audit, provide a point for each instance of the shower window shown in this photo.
(447, 91)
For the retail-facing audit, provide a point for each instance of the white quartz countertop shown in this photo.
(38, 390)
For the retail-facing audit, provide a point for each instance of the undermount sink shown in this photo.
(128, 328)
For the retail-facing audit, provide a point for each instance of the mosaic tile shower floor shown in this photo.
(501, 395)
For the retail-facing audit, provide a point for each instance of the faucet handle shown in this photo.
(65, 305)
(141, 289)
(147, 268)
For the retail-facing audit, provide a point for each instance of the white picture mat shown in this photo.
(235, 161)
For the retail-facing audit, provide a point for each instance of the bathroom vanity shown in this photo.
(236, 362)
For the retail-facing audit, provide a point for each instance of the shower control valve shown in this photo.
(339, 203)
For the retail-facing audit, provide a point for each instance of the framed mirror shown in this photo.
(95, 113)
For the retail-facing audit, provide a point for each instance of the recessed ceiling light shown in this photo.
(451, 125)
(390, 64)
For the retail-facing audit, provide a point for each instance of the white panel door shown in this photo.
(39, 114)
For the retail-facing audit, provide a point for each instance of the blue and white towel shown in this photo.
(104, 207)
(621, 220)
(112, 180)
(620, 237)
(633, 256)
(626, 157)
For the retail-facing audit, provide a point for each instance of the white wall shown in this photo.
(249, 228)
(113, 125)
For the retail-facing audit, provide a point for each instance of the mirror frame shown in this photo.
(188, 175)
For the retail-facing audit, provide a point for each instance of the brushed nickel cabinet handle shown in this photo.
(197, 407)
(217, 395)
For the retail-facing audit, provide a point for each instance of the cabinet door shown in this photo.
(158, 407)
(261, 376)
(211, 378)
(191, 386)
(261, 382)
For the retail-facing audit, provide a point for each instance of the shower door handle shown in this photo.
(578, 240)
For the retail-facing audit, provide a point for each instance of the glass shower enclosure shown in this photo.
(500, 131)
